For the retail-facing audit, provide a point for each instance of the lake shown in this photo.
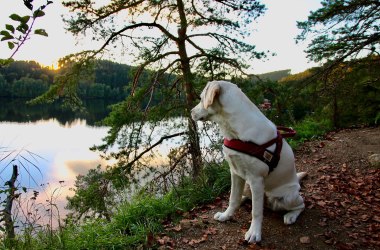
(55, 140)
(50, 146)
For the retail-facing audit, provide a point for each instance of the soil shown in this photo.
(342, 198)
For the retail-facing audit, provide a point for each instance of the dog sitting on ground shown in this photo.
(240, 120)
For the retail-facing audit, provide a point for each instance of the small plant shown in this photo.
(309, 129)
(25, 212)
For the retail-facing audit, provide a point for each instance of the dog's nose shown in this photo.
(194, 114)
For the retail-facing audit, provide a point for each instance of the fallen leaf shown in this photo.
(364, 217)
(329, 242)
(376, 218)
(203, 217)
(177, 228)
(305, 240)
(322, 223)
(165, 240)
(193, 242)
(348, 224)
(185, 240)
(321, 203)
(210, 230)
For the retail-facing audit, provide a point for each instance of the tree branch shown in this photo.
(151, 147)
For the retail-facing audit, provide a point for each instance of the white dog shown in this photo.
(240, 120)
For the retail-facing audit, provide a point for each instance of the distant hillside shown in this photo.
(29, 79)
(274, 75)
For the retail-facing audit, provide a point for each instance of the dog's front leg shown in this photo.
(237, 185)
(257, 188)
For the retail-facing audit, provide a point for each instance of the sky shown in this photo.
(274, 31)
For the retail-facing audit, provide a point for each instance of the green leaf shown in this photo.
(41, 32)
(23, 28)
(4, 62)
(25, 19)
(10, 28)
(7, 38)
(38, 13)
(15, 17)
(5, 33)
(11, 45)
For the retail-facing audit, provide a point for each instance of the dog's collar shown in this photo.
(260, 151)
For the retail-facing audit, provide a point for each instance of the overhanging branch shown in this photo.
(151, 147)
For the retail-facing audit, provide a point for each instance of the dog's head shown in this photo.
(209, 106)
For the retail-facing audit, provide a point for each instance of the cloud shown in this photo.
(81, 167)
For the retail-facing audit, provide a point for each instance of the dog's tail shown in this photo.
(301, 175)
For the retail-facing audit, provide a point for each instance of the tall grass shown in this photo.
(135, 220)
(21, 213)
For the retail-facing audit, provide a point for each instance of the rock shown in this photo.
(374, 160)
(305, 240)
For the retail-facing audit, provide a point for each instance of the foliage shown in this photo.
(272, 76)
(28, 79)
(145, 214)
(309, 129)
(91, 192)
(19, 31)
(347, 96)
(344, 33)
(342, 30)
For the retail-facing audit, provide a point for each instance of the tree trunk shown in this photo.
(7, 212)
(335, 110)
(195, 150)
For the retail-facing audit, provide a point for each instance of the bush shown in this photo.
(309, 129)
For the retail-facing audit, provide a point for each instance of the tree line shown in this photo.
(29, 79)
(348, 95)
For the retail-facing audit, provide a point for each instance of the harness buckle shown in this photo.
(268, 156)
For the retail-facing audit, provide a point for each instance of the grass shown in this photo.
(134, 221)
(309, 129)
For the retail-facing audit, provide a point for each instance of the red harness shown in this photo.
(260, 151)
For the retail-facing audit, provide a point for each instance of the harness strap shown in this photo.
(286, 132)
(260, 151)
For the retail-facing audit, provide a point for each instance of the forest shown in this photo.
(28, 79)
(349, 96)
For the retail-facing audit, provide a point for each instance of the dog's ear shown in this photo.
(212, 92)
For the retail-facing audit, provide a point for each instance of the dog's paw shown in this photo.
(252, 236)
(291, 217)
(219, 216)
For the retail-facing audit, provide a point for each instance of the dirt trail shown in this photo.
(342, 197)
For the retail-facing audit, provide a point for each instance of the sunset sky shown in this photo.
(275, 31)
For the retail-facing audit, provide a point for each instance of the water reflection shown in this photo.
(16, 110)
(60, 147)
(50, 154)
